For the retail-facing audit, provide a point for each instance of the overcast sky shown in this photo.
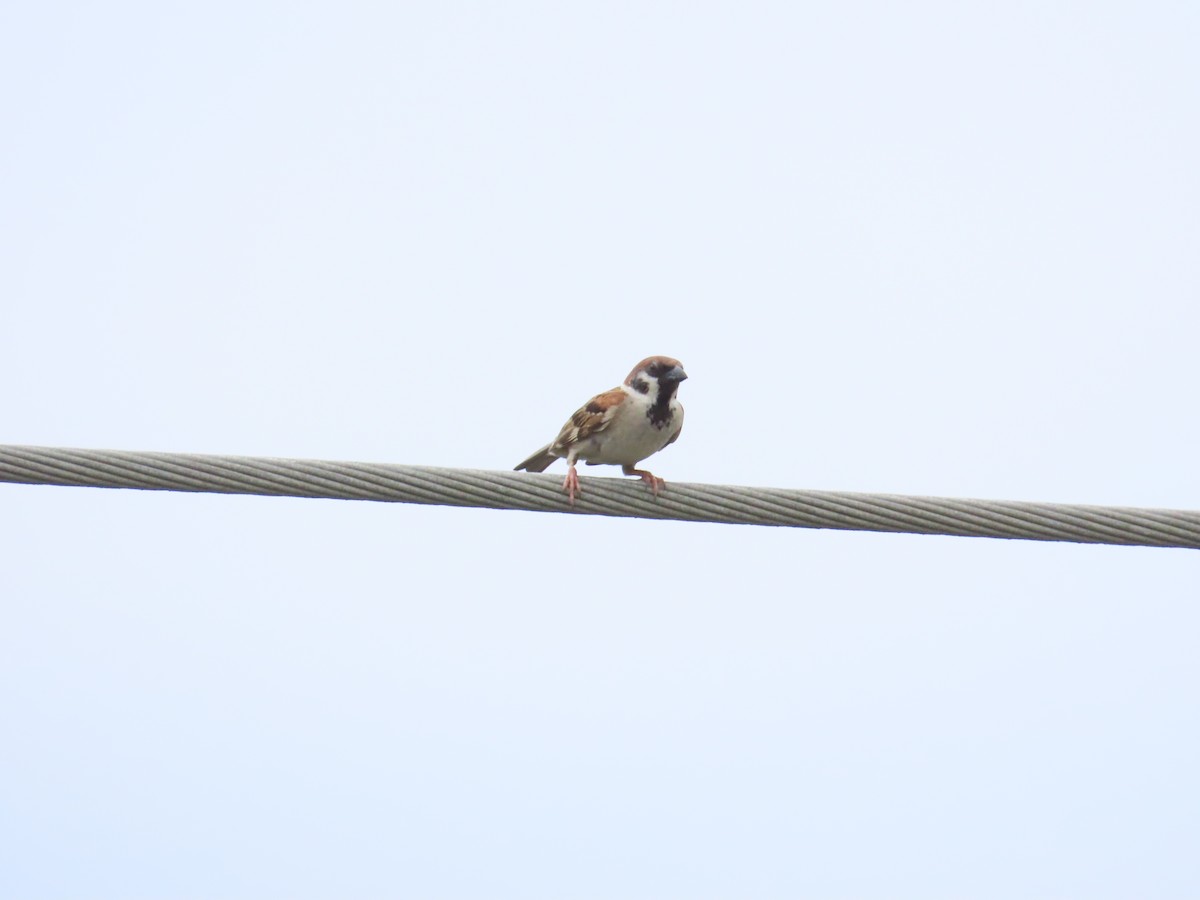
(934, 248)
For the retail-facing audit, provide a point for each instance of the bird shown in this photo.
(620, 427)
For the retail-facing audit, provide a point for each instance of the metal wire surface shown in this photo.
(601, 496)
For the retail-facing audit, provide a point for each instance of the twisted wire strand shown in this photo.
(601, 496)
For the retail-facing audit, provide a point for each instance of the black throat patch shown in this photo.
(659, 413)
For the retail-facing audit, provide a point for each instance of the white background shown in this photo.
(933, 248)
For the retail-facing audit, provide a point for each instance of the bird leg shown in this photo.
(571, 483)
(656, 483)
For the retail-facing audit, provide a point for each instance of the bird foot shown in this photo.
(571, 484)
(656, 483)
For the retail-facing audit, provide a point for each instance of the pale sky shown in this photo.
(930, 248)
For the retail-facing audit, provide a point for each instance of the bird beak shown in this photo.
(677, 374)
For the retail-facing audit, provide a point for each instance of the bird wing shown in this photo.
(591, 418)
(678, 431)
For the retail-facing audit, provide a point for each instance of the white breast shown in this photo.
(631, 437)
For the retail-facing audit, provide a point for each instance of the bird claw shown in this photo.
(571, 485)
(656, 484)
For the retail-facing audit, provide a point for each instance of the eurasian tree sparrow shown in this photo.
(620, 427)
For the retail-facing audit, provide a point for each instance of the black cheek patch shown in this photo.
(641, 386)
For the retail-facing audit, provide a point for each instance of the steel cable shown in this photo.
(601, 496)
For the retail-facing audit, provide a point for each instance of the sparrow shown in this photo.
(620, 427)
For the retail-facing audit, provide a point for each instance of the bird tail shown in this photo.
(538, 461)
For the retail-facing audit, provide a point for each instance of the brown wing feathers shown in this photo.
(591, 418)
